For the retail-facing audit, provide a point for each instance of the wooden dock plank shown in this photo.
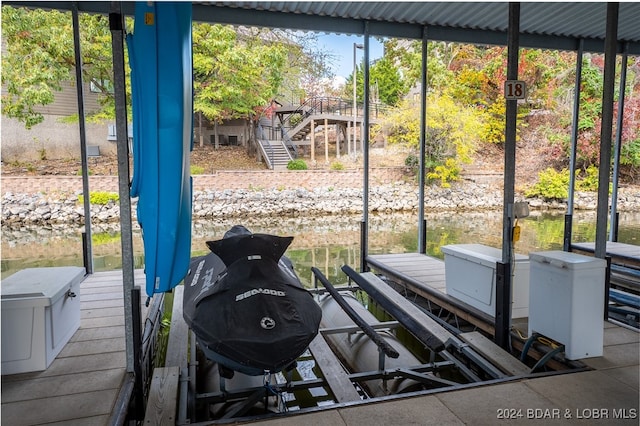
(116, 289)
(435, 276)
(494, 353)
(179, 335)
(332, 371)
(78, 364)
(163, 397)
(103, 321)
(418, 269)
(97, 333)
(424, 269)
(406, 258)
(59, 408)
(101, 296)
(98, 304)
(101, 312)
(69, 384)
(416, 265)
(93, 347)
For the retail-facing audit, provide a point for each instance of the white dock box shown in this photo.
(470, 274)
(40, 313)
(567, 301)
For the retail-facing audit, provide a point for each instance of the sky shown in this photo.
(342, 47)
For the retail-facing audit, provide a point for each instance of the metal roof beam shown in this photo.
(223, 14)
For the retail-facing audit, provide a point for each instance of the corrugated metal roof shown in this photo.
(556, 25)
(543, 21)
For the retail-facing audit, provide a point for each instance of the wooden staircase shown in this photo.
(275, 154)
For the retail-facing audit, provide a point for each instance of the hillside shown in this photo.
(208, 160)
(488, 160)
(533, 154)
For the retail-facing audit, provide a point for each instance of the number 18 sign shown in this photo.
(515, 89)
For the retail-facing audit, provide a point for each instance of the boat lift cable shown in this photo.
(385, 347)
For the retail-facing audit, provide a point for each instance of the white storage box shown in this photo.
(567, 301)
(40, 313)
(470, 273)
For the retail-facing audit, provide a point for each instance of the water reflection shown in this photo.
(324, 242)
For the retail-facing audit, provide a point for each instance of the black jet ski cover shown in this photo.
(247, 306)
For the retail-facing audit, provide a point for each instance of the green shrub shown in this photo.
(336, 165)
(412, 162)
(447, 172)
(197, 170)
(590, 180)
(554, 185)
(298, 164)
(101, 198)
(105, 238)
(551, 185)
(630, 153)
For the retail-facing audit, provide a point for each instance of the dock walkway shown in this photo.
(425, 276)
(622, 254)
(82, 385)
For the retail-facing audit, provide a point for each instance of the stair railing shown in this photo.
(265, 145)
(288, 143)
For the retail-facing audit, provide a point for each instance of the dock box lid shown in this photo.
(479, 253)
(40, 286)
(567, 260)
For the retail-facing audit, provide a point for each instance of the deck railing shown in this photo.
(331, 105)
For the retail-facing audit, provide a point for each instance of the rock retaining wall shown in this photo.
(260, 194)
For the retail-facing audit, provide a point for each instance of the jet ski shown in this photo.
(246, 305)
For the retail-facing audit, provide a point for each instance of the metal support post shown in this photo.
(87, 248)
(566, 242)
(422, 223)
(606, 130)
(503, 292)
(607, 286)
(568, 222)
(613, 226)
(365, 156)
(138, 390)
(116, 25)
(503, 305)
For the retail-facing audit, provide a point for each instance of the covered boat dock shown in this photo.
(608, 392)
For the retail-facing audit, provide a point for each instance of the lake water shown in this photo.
(324, 242)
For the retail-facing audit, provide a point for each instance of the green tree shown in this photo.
(385, 81)
(386, 78)
(235, 70)
(40, 55)
(233, 76)
(407, 57)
